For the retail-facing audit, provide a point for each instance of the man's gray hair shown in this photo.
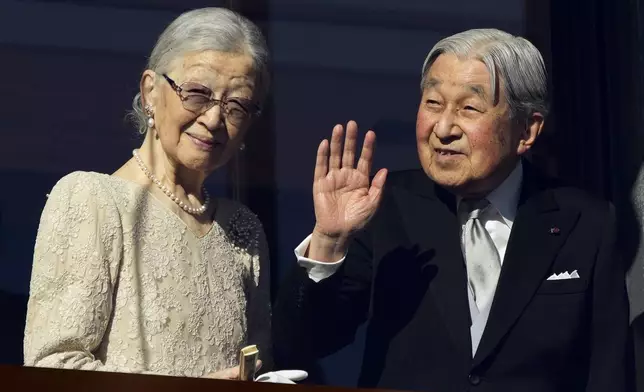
(203, 29)
(515, 59)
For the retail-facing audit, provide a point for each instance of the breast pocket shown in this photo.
(563, 286)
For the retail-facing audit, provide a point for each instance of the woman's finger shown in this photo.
(225, 374)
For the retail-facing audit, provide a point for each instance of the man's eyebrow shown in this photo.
(478, 90)
(432, 82)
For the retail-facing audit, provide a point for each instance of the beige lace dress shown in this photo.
(119, 283)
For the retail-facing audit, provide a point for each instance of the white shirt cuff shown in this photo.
(317, 270)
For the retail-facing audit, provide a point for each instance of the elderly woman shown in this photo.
(140, 270)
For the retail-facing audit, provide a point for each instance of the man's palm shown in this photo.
(343, 198)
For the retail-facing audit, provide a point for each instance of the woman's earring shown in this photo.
(150, 113)
(242, 147)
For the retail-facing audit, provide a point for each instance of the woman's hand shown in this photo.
(230, 373)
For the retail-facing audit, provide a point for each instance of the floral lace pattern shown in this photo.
(119, 283)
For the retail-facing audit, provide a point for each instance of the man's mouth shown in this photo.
(446, 152)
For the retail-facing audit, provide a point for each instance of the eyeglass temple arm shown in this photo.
(172, 83)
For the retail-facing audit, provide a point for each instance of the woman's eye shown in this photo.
(197, 98)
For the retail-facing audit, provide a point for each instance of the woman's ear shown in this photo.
(147, 88)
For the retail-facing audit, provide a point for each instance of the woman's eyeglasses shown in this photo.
(198, 99)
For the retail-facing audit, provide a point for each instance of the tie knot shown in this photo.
(473, 208)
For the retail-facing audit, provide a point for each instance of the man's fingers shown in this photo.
(377, 186)
(322, 161)
(350, 141)
(336, 147)
(366, 157)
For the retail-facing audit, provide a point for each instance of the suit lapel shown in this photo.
(539, 231)
(429, 217)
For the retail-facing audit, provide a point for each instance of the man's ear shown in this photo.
(530, 132)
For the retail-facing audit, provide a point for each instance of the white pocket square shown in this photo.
(564, 276)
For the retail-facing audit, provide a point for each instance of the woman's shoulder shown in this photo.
(80, 176)
(81, 184)
(79, 197)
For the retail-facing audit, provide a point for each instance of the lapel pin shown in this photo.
(554, 230)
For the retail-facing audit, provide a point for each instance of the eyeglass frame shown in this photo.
(254, 111)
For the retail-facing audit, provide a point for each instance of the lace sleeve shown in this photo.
(76, 260)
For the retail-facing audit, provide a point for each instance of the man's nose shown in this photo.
(445, 128)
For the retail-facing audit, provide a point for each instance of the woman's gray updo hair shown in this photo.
(203, 29)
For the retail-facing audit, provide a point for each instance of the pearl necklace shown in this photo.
(168, 192)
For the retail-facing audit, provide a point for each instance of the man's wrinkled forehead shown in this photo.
(470, 74)
(474, 88)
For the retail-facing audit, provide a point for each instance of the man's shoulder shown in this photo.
(569, 196)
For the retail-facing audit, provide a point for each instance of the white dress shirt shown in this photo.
(497, 221)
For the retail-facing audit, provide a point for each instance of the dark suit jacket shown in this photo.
(405, 275)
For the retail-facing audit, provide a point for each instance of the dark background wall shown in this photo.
(70, 69)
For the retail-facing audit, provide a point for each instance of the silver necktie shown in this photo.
(481, 256)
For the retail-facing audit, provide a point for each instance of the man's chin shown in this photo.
(456, 183)
(450, 179)
(456, 188)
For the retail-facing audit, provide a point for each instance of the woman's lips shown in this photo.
(203, 143)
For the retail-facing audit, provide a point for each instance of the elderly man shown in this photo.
(474, 273)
